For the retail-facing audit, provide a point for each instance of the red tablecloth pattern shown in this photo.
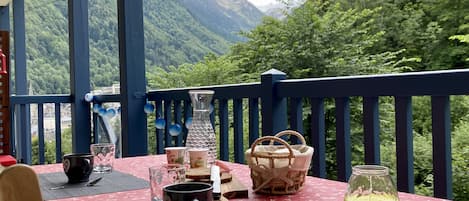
(314, 189)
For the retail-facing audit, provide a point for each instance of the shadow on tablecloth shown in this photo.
(113, 182)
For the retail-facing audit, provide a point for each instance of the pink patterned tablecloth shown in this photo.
(315, 188)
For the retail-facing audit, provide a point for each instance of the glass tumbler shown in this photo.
(370, 182)
(163, 175)
(103, 156)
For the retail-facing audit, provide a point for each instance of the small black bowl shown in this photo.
(188, 191)
(78, 167)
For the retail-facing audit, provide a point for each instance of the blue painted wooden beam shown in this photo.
(40, 128)
(187, 116)
(79, 74)
(243, 90)
(371, 130)
(22, 112)
(274, 108)
(404, 144)
(21, 82)
(58, 134)
(27, 99)
(132, 77)
(253, 120)
(168, 139)
(343, 149)
(212, 113)
(95, 128)
(441, 139)
(178, 120)
(238, 130)
(107, 98)
(318, 137)
(296, 117)
(449, 82)
(159, 132)
(223, 115)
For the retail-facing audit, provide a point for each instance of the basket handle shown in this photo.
(290, 132)
(272, 138)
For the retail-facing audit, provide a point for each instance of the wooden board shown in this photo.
(203, 175)
(231, 187)
(234, 189)
(198, 173)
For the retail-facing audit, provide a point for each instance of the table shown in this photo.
(317, 189)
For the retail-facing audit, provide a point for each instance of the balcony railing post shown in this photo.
(22, 119)
(274, 108)
(79, 74)
(132, 77)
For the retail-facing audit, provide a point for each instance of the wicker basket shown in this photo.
(279, 169)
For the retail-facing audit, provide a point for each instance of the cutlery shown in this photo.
(89, 184)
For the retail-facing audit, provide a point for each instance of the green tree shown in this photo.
(317, 39)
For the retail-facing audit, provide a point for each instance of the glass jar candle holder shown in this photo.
(370, 182)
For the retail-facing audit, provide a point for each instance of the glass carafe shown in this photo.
(370, 182)
(201, 133)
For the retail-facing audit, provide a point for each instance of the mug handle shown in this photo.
(89, 163)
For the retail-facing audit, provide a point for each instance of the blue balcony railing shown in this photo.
(276, 104)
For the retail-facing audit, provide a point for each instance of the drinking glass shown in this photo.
(370, 182)
(163, 175)
(103, 156)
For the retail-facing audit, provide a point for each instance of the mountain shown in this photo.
(275, 10)
(278, 9)
(225, 17)
(176, 32)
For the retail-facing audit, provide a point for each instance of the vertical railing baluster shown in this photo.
(58, 133)
(253, 120)
(178, 120)
(371, 130)
(223, 115)
(441, 130)
(404, 144)
(159, 132)
(24, 127)
(238, 130)
(212, 113)
(40, 133)
(343, 149)
(187, 115)
(95, 127)
(12, 137)
(168, 119)
(318, 137)
(296, 117)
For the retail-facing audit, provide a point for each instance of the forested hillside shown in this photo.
(176, 32)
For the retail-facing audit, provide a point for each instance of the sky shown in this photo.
(262, 2)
